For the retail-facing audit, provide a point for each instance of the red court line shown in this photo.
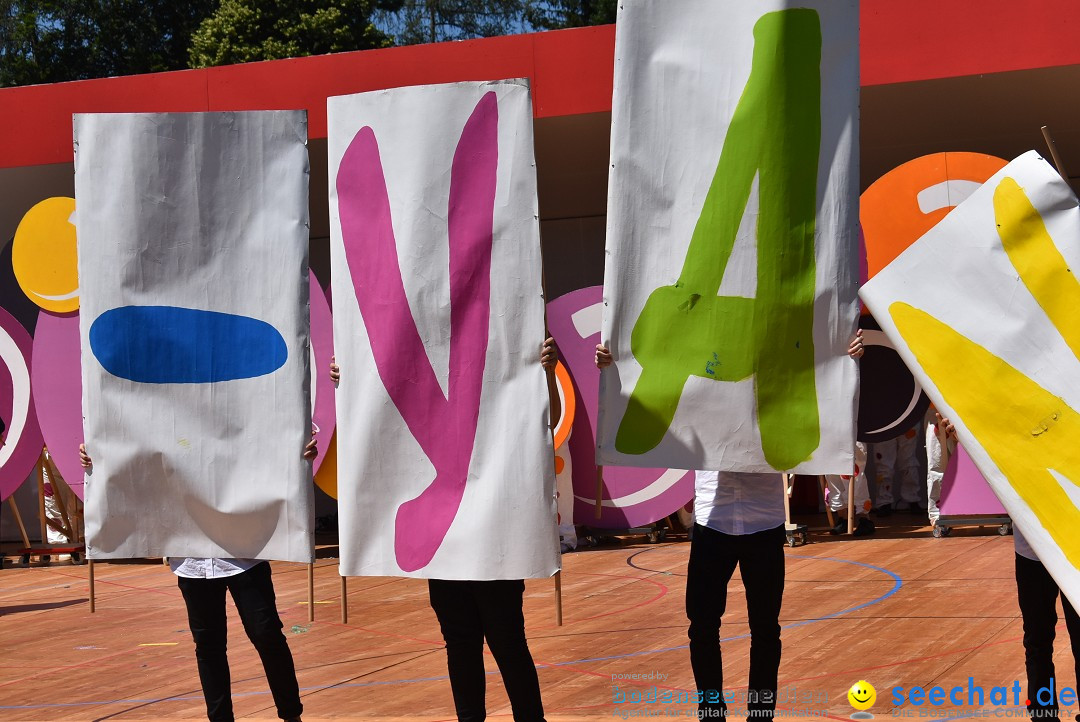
(97, 660)
(118, 584)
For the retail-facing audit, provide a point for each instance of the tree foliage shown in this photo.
(48, 41)
(432, 21)
(555, 14)
(241, 31)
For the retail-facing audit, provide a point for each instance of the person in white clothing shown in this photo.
(896, 470)
(940, 445)
(838, 496)
(203, 583)
(738, 520)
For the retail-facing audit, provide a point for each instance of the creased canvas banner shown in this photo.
(983, 310)
(730, 287)
(193, 270)
(445, 460)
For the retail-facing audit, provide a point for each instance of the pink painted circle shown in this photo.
(323, 409)
(22, 447)
(632, 497)
(57, 380)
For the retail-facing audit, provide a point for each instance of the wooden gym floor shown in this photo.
(899, 608)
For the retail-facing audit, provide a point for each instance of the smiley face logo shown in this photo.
(862, 695)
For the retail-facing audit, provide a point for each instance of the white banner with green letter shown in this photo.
(730, 288)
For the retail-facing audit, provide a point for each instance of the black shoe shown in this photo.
(884, 510)
(841, 528)
(865, 527)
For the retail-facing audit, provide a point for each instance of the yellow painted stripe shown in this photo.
(1025, 429)
(1038, 261)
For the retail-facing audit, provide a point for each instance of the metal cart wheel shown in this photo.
(1004, 529)
(941, 531)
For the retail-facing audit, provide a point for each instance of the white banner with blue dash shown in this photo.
(193, 266)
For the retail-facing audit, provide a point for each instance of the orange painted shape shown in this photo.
(569, 408)
(327, 477)
(890, 214)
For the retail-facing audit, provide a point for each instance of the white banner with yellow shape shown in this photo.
(983, 310)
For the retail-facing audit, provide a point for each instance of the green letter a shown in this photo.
(686, 329)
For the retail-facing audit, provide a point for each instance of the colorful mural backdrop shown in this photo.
(894, 212)
(22, 436)
(193, 241)
(730, 288)
(323, 407)
(57, 380)
(632, 496)
(983, 310)
(445, 457)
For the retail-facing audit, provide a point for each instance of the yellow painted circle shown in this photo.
(44, 255)
(862, 695)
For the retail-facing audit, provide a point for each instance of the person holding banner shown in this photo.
(472, 611)
(739, 521)
(203, 583)
(1037, 594)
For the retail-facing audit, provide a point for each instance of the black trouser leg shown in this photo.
(463, 632)
(205, 601)
(761, 565)
(500, 605)
(1037, 594)
(713, 557)
(1072, 623)
(253, 593)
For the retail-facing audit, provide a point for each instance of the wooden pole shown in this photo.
(19, 521)
(90, 571)
(41, 500)
(558, 598)
(787, 503)
(344, 598)
(311, 592)
(851, 505)
(828, 509)
(599, 491)
(62, 489)
(1054, 153)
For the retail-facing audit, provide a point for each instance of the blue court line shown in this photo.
(897, 583)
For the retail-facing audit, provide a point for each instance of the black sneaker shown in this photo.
(865, 527)
(841, 528)
(884, 510)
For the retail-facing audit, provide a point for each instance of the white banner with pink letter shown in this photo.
(446, 468)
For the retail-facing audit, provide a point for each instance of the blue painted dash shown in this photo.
(173, 345)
